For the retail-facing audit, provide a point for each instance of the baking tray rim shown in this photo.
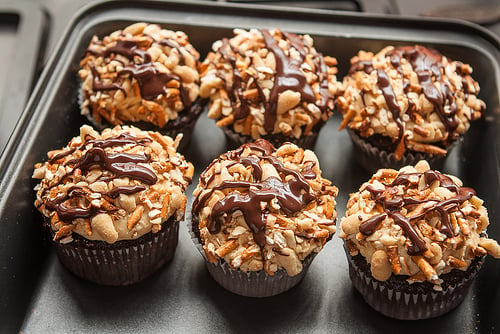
(40, 89)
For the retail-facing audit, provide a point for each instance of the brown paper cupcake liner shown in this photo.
(255, 283)
(252, 283)
(396, 298)
(122, 263)
(235, 140)
(184, 123)
(372, 158)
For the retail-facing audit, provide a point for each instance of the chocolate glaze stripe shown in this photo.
(292, 195)
(120, 164)
(384, 83)
(426, 63)
(392, 207)
(174, 45)
(235, 91)
(120, 140)
(126, 190)
(66, 213)
(288, 76)
(288, 194)
(126, 48)
(73, 212)
(362, 65)
(152, 83)
(99, 86)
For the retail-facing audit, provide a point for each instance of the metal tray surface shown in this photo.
(40, 296)
(23, 28)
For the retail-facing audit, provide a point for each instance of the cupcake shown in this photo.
(415, 239)
(405, 104)
(269, 84)
(113, 201)
(144, 76)
(260, 215)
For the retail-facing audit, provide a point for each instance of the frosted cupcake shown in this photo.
(260, 215)
(415, 239)
(113, 201)
(145, 76)
(407, 103)
(269, 84)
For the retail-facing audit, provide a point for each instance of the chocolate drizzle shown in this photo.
(126, 190)
(288, 76)
(173, 45)
(235, 91)
(390, 98)
(152, 83)
(99, 86)
(392, 206)
(68, 213)
(426, 63)
(292, 195)
(126, 48)
(119, 164)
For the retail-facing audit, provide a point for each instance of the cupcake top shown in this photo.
(416, 222)
(264, 82)
(417, 97)
(141, 73)
(118, 185)
(261, 208)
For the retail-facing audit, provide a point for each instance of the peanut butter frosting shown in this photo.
(258, 207)
(118, 185)
(416, 222)
(265, 82)
(413, 95)
(141, 73)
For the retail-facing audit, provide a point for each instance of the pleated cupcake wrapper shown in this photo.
(122, 263)
(235, 140)
(185, 127)
(396, 303)
(373, 158)
(252, 283)
(255, 283)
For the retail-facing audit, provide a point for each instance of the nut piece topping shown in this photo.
(264, 82)
(141, 73)
(112, 186)
(416, 222)
(258, 208)
(414, 97)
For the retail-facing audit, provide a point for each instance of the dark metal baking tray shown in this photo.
(40, 296)
(23, 28)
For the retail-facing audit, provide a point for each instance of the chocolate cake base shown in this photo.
(123, 262)
(373, 157)
(396, 298)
